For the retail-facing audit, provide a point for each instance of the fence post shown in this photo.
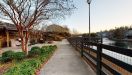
(99, 59)
(82, 40)
(101, 40)
(76, 44)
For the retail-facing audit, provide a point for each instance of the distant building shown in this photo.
(7, 33)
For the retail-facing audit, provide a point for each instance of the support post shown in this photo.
(101, 39)
(99, 59)
(7, 38)
(82, 47)
(76, 44)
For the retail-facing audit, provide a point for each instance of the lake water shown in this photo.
(118, 56)
(123, 44)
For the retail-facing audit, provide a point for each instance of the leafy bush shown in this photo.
(28, 67)
(25, 68)
(7, 56)
(34, 51)
(19, 55)
(35, 63)
(42, 50)
(43, 46)
(55, 46)
(42, 58)
(0, 59)
(48, 49)
(34, 48)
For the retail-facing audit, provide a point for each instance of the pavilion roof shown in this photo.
(7, 26)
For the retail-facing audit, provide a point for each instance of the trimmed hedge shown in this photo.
(35, 48)
(10, 55)
(29, 67)
(19, 55)
(34, 51)
(7, 56)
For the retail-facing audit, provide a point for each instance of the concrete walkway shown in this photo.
(66, 61)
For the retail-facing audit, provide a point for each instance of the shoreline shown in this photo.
(126, 40)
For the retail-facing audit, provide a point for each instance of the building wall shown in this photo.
(5, 38)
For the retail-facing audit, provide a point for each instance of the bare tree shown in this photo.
(27, 13)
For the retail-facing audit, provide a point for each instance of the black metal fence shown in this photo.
(104, 59)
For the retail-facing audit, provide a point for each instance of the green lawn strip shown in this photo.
(29, 66)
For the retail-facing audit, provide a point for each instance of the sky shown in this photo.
(105, 15)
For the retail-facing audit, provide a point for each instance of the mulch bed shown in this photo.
(4, 67)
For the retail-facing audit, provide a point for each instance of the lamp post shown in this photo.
(89, 2)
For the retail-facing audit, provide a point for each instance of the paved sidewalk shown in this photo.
(66, 61)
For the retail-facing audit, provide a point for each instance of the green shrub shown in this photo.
(42, 58)
(19, 55)
(55, 46)
(34, 48)
(7, 56)
(42, 50)
(24, 68)
(12, 71)
(48, 49)
(34, 51)
(28, 67)
(34, 63)
(44, 47)
(0, 59)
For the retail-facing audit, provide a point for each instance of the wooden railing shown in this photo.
(104, 59)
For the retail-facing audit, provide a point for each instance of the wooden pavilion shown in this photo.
(9, 35)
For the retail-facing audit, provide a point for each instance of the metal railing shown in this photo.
(104, 59)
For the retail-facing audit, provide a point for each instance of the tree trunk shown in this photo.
(26, 48)
(24, 42)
